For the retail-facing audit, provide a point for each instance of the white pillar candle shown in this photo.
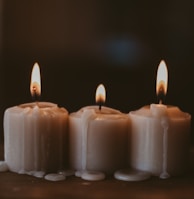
(35, 137)
(98, 140)
(159, 143)
(159, 139)
(35, 134)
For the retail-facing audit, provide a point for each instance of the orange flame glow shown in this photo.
(35, 84)
(100, 94)
(162, 79)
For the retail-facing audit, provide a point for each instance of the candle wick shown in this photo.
(35, 97)
(100, 107)
(161, 97)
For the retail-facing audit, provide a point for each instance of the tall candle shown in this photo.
(98, 139)
(159, 140)
(35, 135)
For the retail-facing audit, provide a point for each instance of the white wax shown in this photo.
(35, 137)
(38, 174)
(131, 175)
(93, 176)
(55, 177)
(3, 166)
(98, 139)
(159, 140)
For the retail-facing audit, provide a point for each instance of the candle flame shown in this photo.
(100, 94)
(162, 79)
(35, 84)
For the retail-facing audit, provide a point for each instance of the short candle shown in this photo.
(35, 135)
(98, 140)
(159, 139)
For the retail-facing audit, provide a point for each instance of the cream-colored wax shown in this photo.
(98, 139)
(159, 140)
(35, 137)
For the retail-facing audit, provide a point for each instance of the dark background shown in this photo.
(80, 44)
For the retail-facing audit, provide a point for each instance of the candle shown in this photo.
(159, 141)
(35, 134)
(98, 139)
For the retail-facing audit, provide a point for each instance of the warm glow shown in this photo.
(100, 94)
(162, 79)
(35, 84)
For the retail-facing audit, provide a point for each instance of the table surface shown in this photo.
(13, 185)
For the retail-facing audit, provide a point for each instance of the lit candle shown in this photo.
(159, 141)
(98, 139)
(35, 134)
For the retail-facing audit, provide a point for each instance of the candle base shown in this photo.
(131, 175)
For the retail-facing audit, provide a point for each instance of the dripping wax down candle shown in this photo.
(35, 134)
(98, 138)
(159, 141)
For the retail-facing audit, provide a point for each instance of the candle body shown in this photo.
(159, 138)
(35, 137)
(98, 139)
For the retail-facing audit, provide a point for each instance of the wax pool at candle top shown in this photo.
(99, 113)
(173, 112)
(153, 150)
(98, 139)
(35, 137)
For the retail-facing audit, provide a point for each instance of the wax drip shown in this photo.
(165, 125)
(3, 166)
(61, 175)
(37, 174)
(38, 161)
(23, 147)
(130, 174)
(55, 177)
(87, 116)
